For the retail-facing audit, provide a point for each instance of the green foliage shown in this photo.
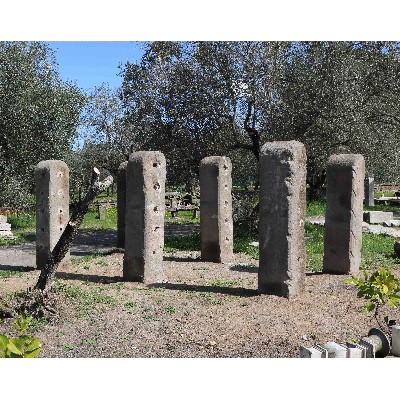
(379, 288)
(23, 345)
(39, 115)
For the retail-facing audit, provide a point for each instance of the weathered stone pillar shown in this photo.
(344, 213)
(52, 207)
(121, 203)
(216, 223)
(144, 217)
(369, 191)
(282, 215)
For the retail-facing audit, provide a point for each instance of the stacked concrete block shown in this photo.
(216, 222)
(121, 204)
(282, 215)
(144, 217)
(344, 213)
(52, 207)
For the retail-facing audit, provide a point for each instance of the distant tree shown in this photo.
(191, 100)
(39, 115)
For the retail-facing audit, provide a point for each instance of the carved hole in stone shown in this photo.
(226, 186)
(60, 211)
(156, 186)
(225, 166)
(60, 174)
(156, 228)
(156, 165)
(61, 229)
(226, 219)
(42, 229)
(154, 252)
(226, 203)
(227, 239)
(155, 209)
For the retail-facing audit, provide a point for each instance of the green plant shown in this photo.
(378, 289)
(21, 346)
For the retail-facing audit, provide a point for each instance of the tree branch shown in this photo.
(70, 231)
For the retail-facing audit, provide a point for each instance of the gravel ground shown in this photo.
(205, 310)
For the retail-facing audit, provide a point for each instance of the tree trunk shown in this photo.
(70, 231)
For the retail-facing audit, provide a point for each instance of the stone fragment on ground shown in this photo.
(5, 229)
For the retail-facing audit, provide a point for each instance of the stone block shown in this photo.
(344, 213)
(52, 207)
(144, 217)
(121, 204)
(282, 215)
(216, 221)
(3, 219)
(5, 226)
(377, 217)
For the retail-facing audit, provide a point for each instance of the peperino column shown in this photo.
(121, 203)
(216, 222)
(144, 217)
(344, 213)
(282, 214)
(52, 207)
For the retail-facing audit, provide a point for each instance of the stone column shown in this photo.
(144, 217)
(344, 213)
(369, 191)
(121, 203)
(216, 223)
(282, 215)
(52, 207)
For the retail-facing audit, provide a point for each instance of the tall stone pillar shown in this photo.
(52, 207)
(121, 203)
(216, 223)
(369, 190)
(344, 213)
(144, 217)
(282, 215)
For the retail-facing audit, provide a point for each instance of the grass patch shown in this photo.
(86, 299)
(315, 208)
(91, 257)
(185, 243)
(8, 273)
(91, 220)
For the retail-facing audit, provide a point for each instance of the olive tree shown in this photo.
(39, 115)
(191, 100)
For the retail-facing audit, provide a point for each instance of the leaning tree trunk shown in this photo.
(64, 243)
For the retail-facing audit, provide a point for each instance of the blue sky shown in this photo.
(90, 64)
